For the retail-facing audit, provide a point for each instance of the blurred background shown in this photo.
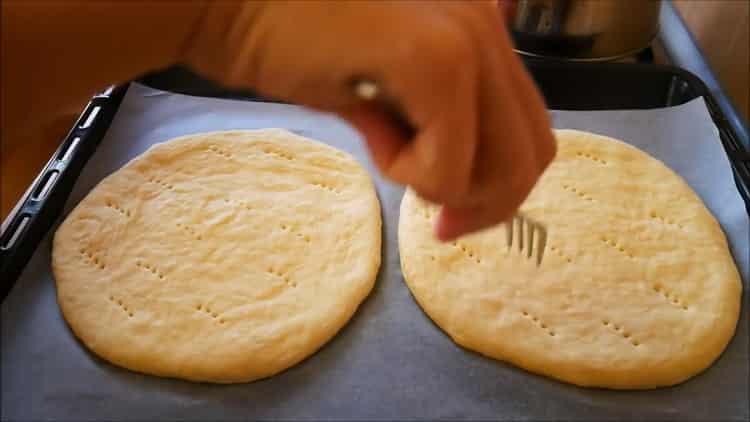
(721, 28)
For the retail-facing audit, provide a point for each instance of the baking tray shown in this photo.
(566, 86)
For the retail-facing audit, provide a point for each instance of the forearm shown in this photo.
(57, 53)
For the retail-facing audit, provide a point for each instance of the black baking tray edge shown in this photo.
(43, 203)
(566, 86)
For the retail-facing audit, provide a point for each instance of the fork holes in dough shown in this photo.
(561, 254)
(538, 322)
(670, 297)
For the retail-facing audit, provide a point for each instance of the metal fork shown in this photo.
(535, 230)
(369, 90)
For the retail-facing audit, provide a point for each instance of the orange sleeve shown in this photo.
(59, 53)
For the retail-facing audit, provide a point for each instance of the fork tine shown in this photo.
(531, 227)
(542, 245)
(514, 231)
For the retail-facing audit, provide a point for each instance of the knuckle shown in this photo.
(442, 48)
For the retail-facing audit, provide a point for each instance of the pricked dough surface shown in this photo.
(638, 288)
(221, 257)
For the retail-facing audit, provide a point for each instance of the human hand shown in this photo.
(483, 135)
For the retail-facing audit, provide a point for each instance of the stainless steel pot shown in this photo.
(582, 29)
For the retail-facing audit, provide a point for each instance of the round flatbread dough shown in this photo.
(221, 257)
(637, 288)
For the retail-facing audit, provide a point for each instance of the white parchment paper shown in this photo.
(390, 362)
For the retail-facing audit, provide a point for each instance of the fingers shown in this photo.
(438, 163)
(483, 134)
(481, 145)
(431, 70)
(439, 94)
(433, 77)
(505, 169)
(515, 141)
(383, 140)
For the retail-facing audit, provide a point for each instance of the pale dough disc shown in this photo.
(637, 288)
(221, 257)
